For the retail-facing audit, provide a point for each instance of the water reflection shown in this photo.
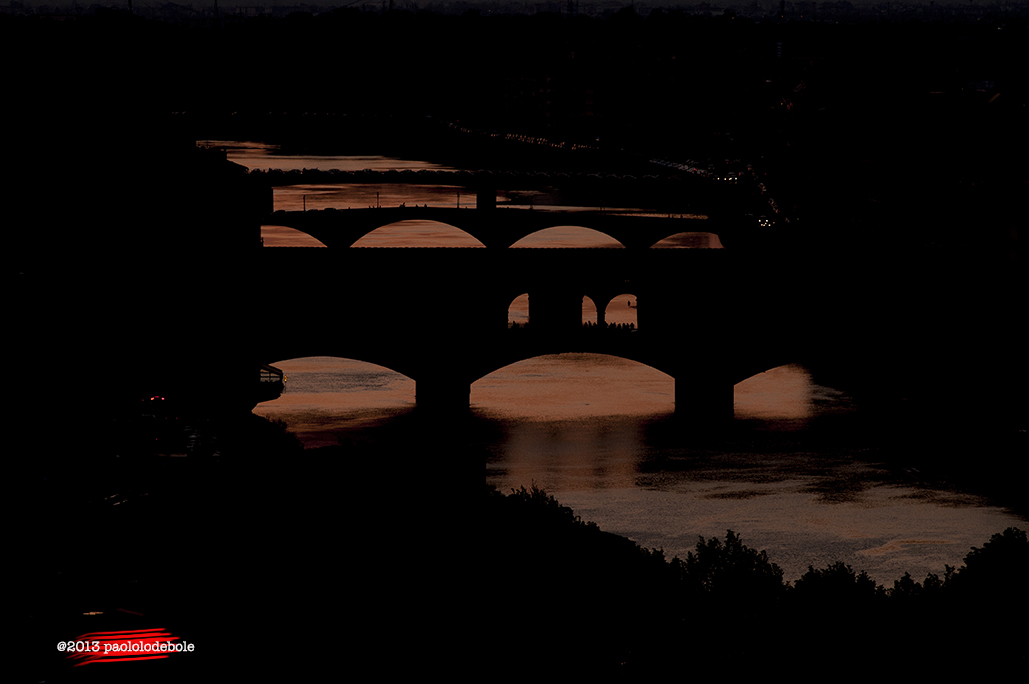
(259, 155)
(325, 396)
(568, 236)
(784, 393)
(415, 233)
(621, 310)
(797, 474)
(283, 236)
(573, 386)
(599, 433)
(518, 311)
(690, 241)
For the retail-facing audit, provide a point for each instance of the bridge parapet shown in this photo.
(663, 183)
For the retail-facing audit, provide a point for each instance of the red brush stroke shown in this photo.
(153, 637)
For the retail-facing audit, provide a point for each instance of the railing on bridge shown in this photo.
(272, 374)
(271, 384)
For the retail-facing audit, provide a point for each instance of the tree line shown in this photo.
(565, 595)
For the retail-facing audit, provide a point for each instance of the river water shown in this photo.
(797, 474)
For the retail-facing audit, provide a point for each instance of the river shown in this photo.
(797, 474)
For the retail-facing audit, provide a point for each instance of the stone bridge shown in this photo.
(440, 315)
(498, 228)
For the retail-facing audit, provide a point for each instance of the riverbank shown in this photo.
(271, 539)
(629, 610)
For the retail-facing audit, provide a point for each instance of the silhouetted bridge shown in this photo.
(497, 228)
(440, 315)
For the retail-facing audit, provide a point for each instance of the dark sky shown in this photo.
(513, 5)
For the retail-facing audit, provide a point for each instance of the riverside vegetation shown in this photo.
(567, 596)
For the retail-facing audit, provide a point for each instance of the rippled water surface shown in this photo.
(598, 433)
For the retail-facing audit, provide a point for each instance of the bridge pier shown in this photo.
(441, 394)
(485, 197)
(703, 398)
(555, 311)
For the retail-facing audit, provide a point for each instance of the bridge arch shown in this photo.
(418, 233)
(326, 395)
(690, 240)
(568, 236)
(621, 310)
(341, 228)
(590, 312)
(518, 311)
(283, 236)
(568, 384)
(783, 392)
(333, 362)
(496, 228)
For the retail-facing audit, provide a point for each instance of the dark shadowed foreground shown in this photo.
(271, 560)
(561, 595)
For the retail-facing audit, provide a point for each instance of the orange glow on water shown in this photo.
(690, 241)
(780, 393)
(573, 386)
(621, 310)
(569, 237)
(416, 233)
(283, 236)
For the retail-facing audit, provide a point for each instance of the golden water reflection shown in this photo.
(284, 236)
(690, 241)
(785, 392)
(568, 237)
(322, 391)
(416, 233)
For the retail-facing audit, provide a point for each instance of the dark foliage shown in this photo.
(838, 583)
(567, 596)
(731, 573)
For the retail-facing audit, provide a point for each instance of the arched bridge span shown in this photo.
(440, 316)
(497, 228)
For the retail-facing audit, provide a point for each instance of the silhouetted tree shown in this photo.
(999, 568)
(542, 561)
(836, 585)
(732, 573)
(567, 596)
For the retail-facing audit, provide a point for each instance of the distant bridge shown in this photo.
(674, 184)
(440, 315)
(496, 228)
